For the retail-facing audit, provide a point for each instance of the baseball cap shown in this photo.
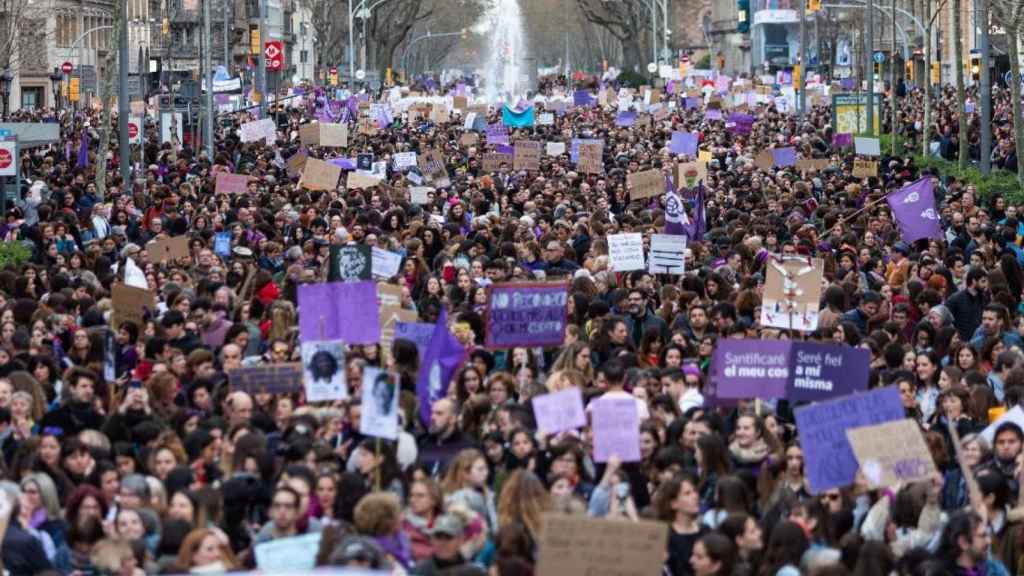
(447, 524)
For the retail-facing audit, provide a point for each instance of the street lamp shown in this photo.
(55, 79)
(5, 88)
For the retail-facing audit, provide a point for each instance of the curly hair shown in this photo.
(523, 499)
(378, 514)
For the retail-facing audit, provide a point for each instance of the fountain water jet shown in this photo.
(502, 72)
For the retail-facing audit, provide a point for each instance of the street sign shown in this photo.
(66, 67)
(879, 57)
(652, 67)
(7, 151)
(360, 74)
(133, 130)
(273, 51)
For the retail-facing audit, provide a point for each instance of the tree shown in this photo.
(330, 27)
(1010, 13)
(107, 90)
(627, 21)
(13, 14)
(958, 62)
(389, 26)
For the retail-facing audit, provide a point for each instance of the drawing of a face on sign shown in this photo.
(792, 291)
(350, 263)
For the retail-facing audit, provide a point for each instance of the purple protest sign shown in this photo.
(497, 133)
(842, 140)
(560, 411)
(741, 123)
(750, 368)
(691, 102)
(526, 314)
(346, 311)
(582, 98)
(345, 163)
(616, 426)
(824, 371)
(625, 119)
(504, 149)
(684, 143)
(782, 157)
(829, 461)
(713, 114)
(418, 333)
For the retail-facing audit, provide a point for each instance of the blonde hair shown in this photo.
(458, 469)
(564, 379)
(108, 554)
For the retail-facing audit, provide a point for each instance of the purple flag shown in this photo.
(913, 206)
(68, 146)
(696, 231)
(353, 107)
(842, 140)
(676, 221)
(626, 118)
(684, 143)
(782, 157)
(83, 150)
(582, 98)
(437, 366)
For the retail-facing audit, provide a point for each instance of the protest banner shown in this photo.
(349, 263)
(432, 166)
(228, 183)
(668, 254)
(572, 545)
(420, 194)
(892, 452)
(384, 263)
(616, 427)
(764, 160)
(380, 404)
(532, 314)
(269, 378)
(492, 161)
(750, 368)
(829, 459)
(403, 160)
(130, 304)
(323, 374)
(684, 143)
(591, 158)
(497, 133)
(646, 184)
(792, 293)
(864, 168)
(783, 157)
(319, 175)
(806, 165)
(559, 411)
(626, 252)
(345, 311)
(527, 155)
(168, 249)
(285, 555)
(546, 119)
(333, 135)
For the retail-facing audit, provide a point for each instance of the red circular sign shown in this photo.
(5, 158)
(66, 67)
(133, 130)
(334, 71)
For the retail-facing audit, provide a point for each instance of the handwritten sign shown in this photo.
(271, 378)
(892, 452)
(319, 175)
(333, 135)
(130, 305)
(626, 251)
(492, 161)
(616, 424)
(526, 314)
(591, 160)
(559, 411)
(264, 129)
(668, 254)
(231, 183)
(527, 155)
(168, 249)
(288, 554)
(296, 162)
(309, 134)
(830, 461)
(646, 184)
(582, 545)
(864, 168)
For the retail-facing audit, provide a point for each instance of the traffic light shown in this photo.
(743, 16)
(878, 69)
(976, 67)
(909, 70)
(813, 6)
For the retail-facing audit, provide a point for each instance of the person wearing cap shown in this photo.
(446, 536)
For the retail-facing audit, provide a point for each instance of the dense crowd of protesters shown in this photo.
(128, 452)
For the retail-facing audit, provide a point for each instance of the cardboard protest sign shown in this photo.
(345, 311)
(349, 263)
(554, 148)
(257, 130)
(385, 263)
(431, 164)
(559, 411)
(228, 183)
(460, 102)
(828, 456)
(357, 180)
(532, 314)
(616, 426)
(492, 161)
(130, 304)
(668, 254)
(439, 114)
(527, 155)
(168, 249)
(323, 373)
(892, 452)
(812, 164)
(390, 318)
(296, 162)
(367, 127)
(403, 160)
(792, 291)
(646, 184)
(380, 404)
(469, 139)
(591, 158)
(420, 194)
(389, 295)
(626, 252)
(688, 174)
(583, 545)
(334, 135)
(764, 160)
(309, 134)
(319, 175)
(864, 168)
(270, 378)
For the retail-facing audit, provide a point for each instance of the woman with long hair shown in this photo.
(677, 503)
(712, 464)
(713, 555)
(425, 504)
(750, 446)
(206, 550)
(786, 547)
(523, 501)
(467, 483)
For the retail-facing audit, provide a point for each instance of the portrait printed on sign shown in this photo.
(323, 370)
(792, 291)
(349, 263)
(380, 404)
